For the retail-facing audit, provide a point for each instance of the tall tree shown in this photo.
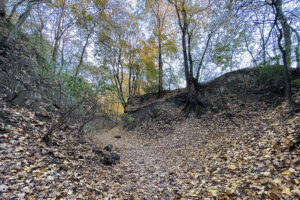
(186, 12)
(286, 49)
(160, 10)
(63, 21)
(3, 8)
(22, 18)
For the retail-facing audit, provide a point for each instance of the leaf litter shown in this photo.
(205, 158)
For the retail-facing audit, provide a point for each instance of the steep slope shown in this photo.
(149, 114)
(70, 168)
(31, 166)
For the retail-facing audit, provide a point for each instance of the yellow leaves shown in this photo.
(234, 184)
(267, 153)
(27, 169)
(266, 173)
(193, 192)
(224, 196)
(296, 192)
(232, 167)
(19, 149)
(286, 191)
(275, 124)
(277, 181)
(214, 192)
(66, 162)
(287, 172)
(23, 179)
(290, 130)
(43, 170)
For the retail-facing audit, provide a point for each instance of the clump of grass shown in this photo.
(296, 83)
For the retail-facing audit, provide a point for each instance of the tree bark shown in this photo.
(202, 57)
(160, 67)
(184, 48)
(285, 33)
(297, 48)
(22, 18)
(14, 9)
(129, 82)
(185, 57)
(3, 8)
(82, 54)
(190, 56)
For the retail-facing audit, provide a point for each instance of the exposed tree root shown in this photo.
(192, 101)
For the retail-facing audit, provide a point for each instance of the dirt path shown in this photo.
(200, 160)
(144, 171)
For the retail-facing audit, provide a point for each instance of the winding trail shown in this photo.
(205, 160)
(145, 170)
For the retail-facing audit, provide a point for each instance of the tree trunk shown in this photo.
(286, 50)
(54, 52)
(160, 68)
(129, 82)
(14, 9)
(57, 38)
(81, 56)
(20, 22)
(22, 18)
(202, 57)
(192, 102)
(62, 59)
(286, 32)
(190, 56)
(185, 58)
(3, 8)
(297, 48)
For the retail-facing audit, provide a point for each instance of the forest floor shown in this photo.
(211, 158)
(203, 158)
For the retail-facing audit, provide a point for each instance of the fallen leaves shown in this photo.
(206, 158)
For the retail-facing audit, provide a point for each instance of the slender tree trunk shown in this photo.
(129, 81)
(62, 59)
(285, 33)
(81, 56)
(274, 36)
(185, 58)
(160, 67)
(22, 18)
(55, 51)
(297, 52)
(190, 56)
(3, 8)
(264, 54)
(20, 22)
(202, 57)
(57, 37)
(14, 9)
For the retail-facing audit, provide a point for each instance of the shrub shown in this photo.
(272, 75)
(127, 119)
(296, 83)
